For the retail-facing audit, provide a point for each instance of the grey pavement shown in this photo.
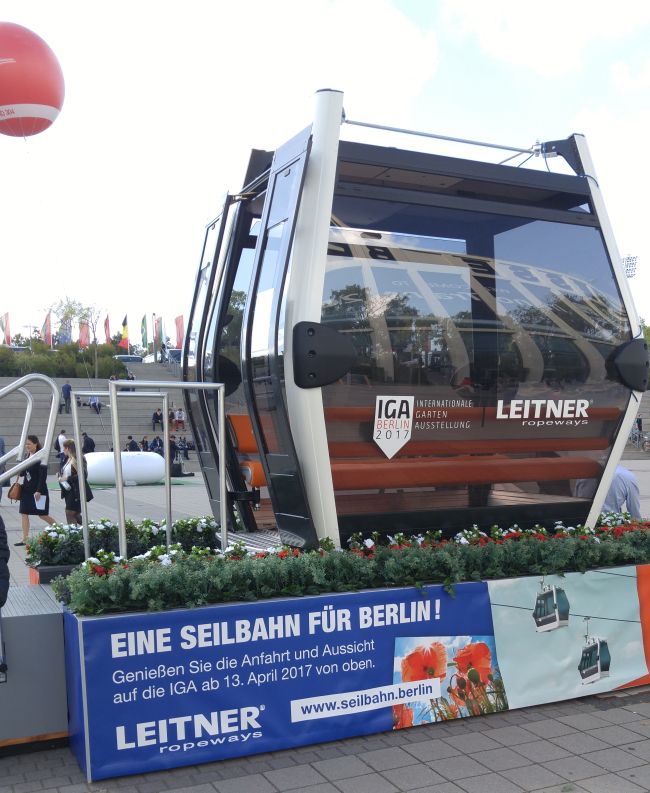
(598, 744)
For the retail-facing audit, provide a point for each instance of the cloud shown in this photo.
(549, 39)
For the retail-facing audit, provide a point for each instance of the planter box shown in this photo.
(150, 691)
(45, 574)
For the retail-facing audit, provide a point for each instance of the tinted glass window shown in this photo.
(499, 328)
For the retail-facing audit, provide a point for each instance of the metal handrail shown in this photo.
(114, 394)
(44, 452)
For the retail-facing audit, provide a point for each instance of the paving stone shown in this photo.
(638, 749)
(548, 728)
(325, 787)
(640, 775)
(383, 759)
(574, 768)
(370, 783)
(289, 778)
(453, 768)
(510, 736)
(473, 742)
(499, 759)
(583, 721)
(431, 750)
(611, 783)
(244, 784)
(614, 735)
(411, 777)
(565, 787)
(614, 759)
(445, 787)
(642, 727)
(342, 767)
(618, 715)
(197, 789)
(579, 742)
(540, 751)
(639, 707)
(489, 783)
(532, 777)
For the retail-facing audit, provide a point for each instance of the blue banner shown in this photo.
(192, 686)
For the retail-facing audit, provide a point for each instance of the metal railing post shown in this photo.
(81, 475)
(168, 470)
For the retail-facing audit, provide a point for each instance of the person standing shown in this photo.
(58, 446)
(623, 490)
(66, 392)
(70, 483)
(34, 498)
(87, 444)
(4, 564)
(3, 467)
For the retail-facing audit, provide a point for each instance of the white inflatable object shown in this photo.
(138, 468)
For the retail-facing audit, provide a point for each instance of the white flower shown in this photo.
(93, 560)
(154, 530)
(164, 560)
(199, 528)
(369, 543)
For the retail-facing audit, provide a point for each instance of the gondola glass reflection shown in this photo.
(551, 609)
(595, 659)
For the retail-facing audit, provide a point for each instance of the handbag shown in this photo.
(15, 491)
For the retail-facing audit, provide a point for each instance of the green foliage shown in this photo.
(184, 578)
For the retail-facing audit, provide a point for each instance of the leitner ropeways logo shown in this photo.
(393, 423)
(545, 412)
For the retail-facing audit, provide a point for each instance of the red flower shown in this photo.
(283, 553)
(402, 717)
(425, 662)
(295, 552)
(476, 655)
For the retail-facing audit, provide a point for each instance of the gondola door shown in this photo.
(263, 344)
(197, 358)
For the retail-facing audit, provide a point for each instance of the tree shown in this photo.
(70, 311)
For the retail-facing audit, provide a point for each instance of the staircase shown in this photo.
(134, 413)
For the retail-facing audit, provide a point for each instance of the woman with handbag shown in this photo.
(70, 484)
(34, 498)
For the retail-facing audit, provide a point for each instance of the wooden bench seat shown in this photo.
(361, 465)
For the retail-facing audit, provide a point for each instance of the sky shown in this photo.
(165, 100)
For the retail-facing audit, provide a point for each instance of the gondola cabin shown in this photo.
(595, 660)
(551, 609)
(410, 340)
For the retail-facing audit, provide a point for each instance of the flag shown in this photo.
(107, 330)
(159, 331)
(46, 330)
(124, 341)
(180, 332)
(84, 334)
(65, 332)
(4, 328)
(143, 331)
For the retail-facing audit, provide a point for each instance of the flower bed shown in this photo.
(161, 579)
(63, 544)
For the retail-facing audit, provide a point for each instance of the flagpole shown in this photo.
(154, 337)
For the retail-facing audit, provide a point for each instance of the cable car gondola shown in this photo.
(551, 609)
(595, 659)
(410, 339)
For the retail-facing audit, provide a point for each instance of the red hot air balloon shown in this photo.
(31, 82)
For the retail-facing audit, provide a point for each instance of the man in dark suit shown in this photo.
(87, 443)
(4, 564)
